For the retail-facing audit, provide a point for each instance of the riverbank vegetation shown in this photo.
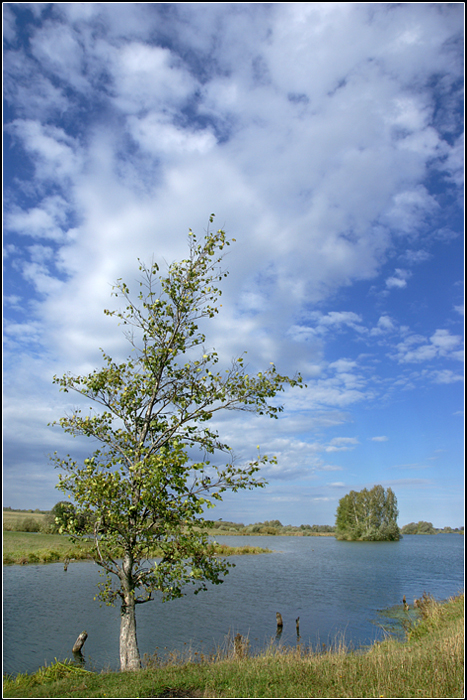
(428, 664)
(40, 548)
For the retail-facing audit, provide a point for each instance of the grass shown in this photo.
(13, 519)
(39, 548)
(429, 664)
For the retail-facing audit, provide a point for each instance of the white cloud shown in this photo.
(385, 325)
(58, 49)
(157, 136)
(148, 77)
(444, 341)
(340, 444)
(321, 324)
(55, 154)
(416, 348)
(414, 257)
(49, 220)
(447, 376)
(399, 279)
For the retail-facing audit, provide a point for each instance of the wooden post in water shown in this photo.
(79, 643)
(297, 625)
(280, 625)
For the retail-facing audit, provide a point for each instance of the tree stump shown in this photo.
(79, 643)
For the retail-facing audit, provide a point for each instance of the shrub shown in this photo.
(28, 525)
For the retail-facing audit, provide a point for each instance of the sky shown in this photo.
(327, 138)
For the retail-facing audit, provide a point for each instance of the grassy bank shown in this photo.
(428, 665)
(39, 548)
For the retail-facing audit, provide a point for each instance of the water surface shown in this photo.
(336, 588)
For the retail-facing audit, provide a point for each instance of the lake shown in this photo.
(338, 589)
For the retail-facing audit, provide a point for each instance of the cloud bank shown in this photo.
(326, 137)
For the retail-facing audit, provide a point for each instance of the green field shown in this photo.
(39, 548)
(430, 664)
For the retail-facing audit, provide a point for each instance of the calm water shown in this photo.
(336, 588)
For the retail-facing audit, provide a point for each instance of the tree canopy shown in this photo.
(159, 464)
(421, 528)
(368, 515)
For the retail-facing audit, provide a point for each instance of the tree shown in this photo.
(421, 528)
(62, 513)
(368, 515)
(158, 464)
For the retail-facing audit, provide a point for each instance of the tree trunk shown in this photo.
(129, 652)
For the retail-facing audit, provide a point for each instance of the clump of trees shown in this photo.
(421, 528)
(159, 463)
(368, 516)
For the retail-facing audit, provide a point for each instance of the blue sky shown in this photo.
(328, 140)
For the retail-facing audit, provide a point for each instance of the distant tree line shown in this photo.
(64, 510)
(25, 510)
(270, 527)
(426, 528)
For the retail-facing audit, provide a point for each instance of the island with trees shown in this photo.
(369, 516)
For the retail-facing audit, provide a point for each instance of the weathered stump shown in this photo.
(280, 625)
(77, 646)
